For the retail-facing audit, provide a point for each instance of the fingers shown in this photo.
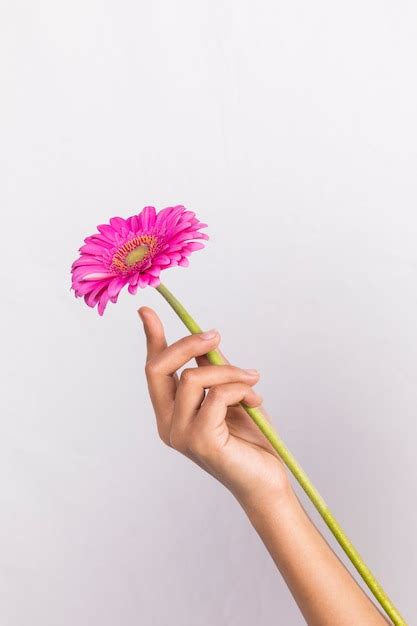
(162, 361)
(154, 330)
(181, 405)
(203, 360)
(209, 432)
(190, 391)
(162, 387)
(183, 350)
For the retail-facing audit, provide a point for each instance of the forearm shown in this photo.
(323, 588)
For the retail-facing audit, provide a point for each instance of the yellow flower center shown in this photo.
(130, 255)
(136, 255)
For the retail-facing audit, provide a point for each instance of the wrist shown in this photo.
(264, 504)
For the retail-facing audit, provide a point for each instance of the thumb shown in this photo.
(154, 332)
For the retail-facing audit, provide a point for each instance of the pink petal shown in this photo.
(163, 215)
(197, 224)
(172, 220)
(86, 287)
(134, 279)
(86, 259)
(134, 223)
(169, 248)
(115, 285)
(200, 236)
(174, 255)
(132, 289)
(184, 262)
(154, 282)
(107, 231)
(93, 297)
(188, 215)
(145, 264)
(181, 226)
(92, 248)
(119, 224)
(195, 245)
(104, 298)
(97, 276)
(182, 236)
(78, 273)
(148, 217)
(100, 240)
(143, 280)
(162, 259)
(154, 270)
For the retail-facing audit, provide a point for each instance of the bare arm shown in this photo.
(324, 590)
(215, 432)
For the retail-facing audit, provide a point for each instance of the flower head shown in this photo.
(133, 252)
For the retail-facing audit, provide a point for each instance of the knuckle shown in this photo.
(176, 441)
(150, 368)
(164, 437)
(217, 392)
(188, 375)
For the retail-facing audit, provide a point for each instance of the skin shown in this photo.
(198, 414)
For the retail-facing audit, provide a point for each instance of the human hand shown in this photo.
(211, 429)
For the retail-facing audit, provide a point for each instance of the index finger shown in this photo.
(203, 360)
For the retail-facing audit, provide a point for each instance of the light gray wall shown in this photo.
(290, 128)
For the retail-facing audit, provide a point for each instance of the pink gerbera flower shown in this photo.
(133, 251)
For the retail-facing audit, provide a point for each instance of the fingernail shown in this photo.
(251, 372)
(209, 334)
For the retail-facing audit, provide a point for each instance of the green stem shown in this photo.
(257, 416)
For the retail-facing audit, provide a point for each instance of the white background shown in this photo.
(290, 128)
